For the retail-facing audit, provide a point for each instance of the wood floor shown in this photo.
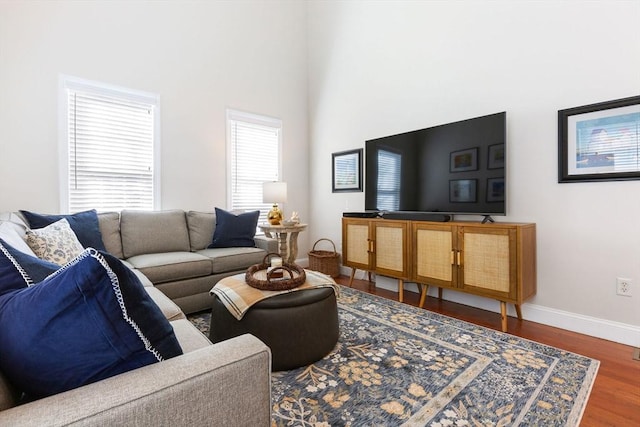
(615, 397)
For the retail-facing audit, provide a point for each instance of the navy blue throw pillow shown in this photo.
(12, 275)
(235, 230)
(84, 225)
(36, 269)
(90, 320)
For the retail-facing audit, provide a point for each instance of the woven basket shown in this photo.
(259, 277)
(327, 262)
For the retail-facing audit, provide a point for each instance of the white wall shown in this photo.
(380, 67)
(201, 57)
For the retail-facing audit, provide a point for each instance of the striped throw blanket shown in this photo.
(238, 297)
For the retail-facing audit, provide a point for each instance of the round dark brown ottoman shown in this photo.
(300, 327)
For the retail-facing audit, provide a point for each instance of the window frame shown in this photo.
(67, 83)
(262, 120)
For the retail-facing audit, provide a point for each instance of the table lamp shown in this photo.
(274, 192)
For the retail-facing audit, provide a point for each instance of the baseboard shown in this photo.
(600, 328)
(622, 333)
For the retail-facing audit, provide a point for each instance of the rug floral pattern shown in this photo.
(395, 364)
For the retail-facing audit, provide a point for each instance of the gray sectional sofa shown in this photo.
(170, 249)
(227, 383)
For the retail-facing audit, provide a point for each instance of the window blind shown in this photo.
(254, 158)
(389, 164)
(111, 151)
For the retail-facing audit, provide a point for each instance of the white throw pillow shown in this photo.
(55, 243)
(9, 232)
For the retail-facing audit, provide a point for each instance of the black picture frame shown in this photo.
(346, 171)
(600, 142)
(495, 189)
(463, 160)
(495, 156)
(462, 190)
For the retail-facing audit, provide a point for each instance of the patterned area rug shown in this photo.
(395, 364)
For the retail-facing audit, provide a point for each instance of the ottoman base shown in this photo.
(299, 327)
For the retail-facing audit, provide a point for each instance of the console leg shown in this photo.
(353, 273)
(503, 315)
(400, 290)
(518, 311)
(440, 294)
(424, 288)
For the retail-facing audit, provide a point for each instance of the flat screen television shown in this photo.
(454, 168)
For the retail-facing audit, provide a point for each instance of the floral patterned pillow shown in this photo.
(55, 243)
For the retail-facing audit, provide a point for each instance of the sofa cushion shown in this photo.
(169, 309)
(84, 225)
(109, 223)
(14, 218)
(189, 337)
(201, 227)
(12, 275)
(232, 259)
(143, 279)
(55, 243)
(146, 232)
(10, 233)
(86, 322)
(171, 266)
(234, 230)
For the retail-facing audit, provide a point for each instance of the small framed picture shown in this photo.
(495, 190)
(462, 191)
(496, 156)
(464, 160)
(346, 171)
(600, 142)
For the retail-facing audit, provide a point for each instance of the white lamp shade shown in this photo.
(274, 192)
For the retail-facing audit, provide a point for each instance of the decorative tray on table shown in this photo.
(266, 277)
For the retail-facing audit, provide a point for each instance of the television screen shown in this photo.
(455, 168)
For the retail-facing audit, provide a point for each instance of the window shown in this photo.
(254, 157)
(388, 180)
(110, 147)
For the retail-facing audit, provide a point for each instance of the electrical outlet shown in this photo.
(623, 286)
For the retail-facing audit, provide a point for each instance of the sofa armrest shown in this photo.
(228, 383)
(269, 244)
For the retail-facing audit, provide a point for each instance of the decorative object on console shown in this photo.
(234, 230)
(599, 142)
(346, 171)
(274, 192)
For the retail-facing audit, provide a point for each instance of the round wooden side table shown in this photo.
(287, 236)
